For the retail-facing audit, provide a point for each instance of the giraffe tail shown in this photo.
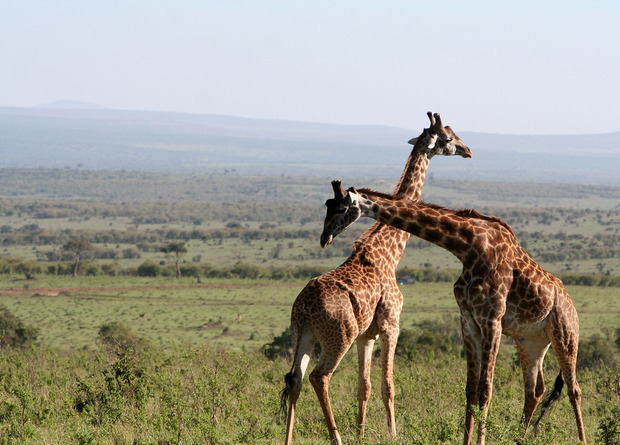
(551, 398)
(288, 382)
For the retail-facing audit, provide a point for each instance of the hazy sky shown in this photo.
(527, 66)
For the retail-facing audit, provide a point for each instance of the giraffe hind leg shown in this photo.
(364, 387)
(565, 344)
(293, 381)
(532, 352)
(320, 378)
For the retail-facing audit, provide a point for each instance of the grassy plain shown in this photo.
(227, 313)
(214, 387)
(202, 379)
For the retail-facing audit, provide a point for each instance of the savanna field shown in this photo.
(124, 352)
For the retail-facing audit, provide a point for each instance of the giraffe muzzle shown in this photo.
(464, 151)
(326, 239)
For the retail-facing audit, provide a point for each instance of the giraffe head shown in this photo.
(440, 140)
(342, 211)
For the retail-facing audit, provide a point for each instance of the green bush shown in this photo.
(280, 346)
(120, 337)
(149, 269)
(609, 428)
(103, 397)
(430, 337)
(596, 352)
(13, 332)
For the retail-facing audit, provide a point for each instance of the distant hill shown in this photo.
(97, 138)
(72, 104)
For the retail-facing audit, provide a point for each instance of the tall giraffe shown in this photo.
(501, 289)
(360, 300)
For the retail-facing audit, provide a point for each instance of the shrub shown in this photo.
(596, 352)
(430, 337)
(13, 332)
(149, 269)
(120, 337)
(104, 397)
(280, 346)
(609, 429)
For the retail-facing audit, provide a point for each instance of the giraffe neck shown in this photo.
(410, 186)
(413, 176)
(442, 227)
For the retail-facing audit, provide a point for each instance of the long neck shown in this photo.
(409, 185)
(434, 224)
(413, 176)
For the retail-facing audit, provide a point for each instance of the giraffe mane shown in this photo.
(463, 213)
(471, 213)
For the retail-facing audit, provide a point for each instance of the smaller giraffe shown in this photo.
(359, 301)
(500, 290)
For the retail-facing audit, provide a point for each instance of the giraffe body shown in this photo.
(360, 300)
(501, 289)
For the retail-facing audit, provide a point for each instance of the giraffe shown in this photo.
(500, 290)
(360, 300)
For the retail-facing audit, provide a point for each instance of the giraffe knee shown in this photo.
(318, 379)
(387, 389)
(539, 389)
(363, 389)
(471, 395)
(574, 393)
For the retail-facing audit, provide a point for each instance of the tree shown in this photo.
(177, 250)
(77, 246)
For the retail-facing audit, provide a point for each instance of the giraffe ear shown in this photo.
(412, 141)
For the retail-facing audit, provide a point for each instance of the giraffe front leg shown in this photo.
(491, 337)
(389, 338)
(471, 343)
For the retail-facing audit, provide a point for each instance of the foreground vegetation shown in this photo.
(191, 359)
(213, 395)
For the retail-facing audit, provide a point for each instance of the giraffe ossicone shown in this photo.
(501, 289)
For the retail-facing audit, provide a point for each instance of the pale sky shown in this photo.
(512, 67)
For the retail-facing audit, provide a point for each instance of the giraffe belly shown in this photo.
(516, 325)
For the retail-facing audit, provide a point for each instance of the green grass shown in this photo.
(200, 380)
(236, 314)
(213, 396)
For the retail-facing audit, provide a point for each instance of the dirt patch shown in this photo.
(55, 291)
